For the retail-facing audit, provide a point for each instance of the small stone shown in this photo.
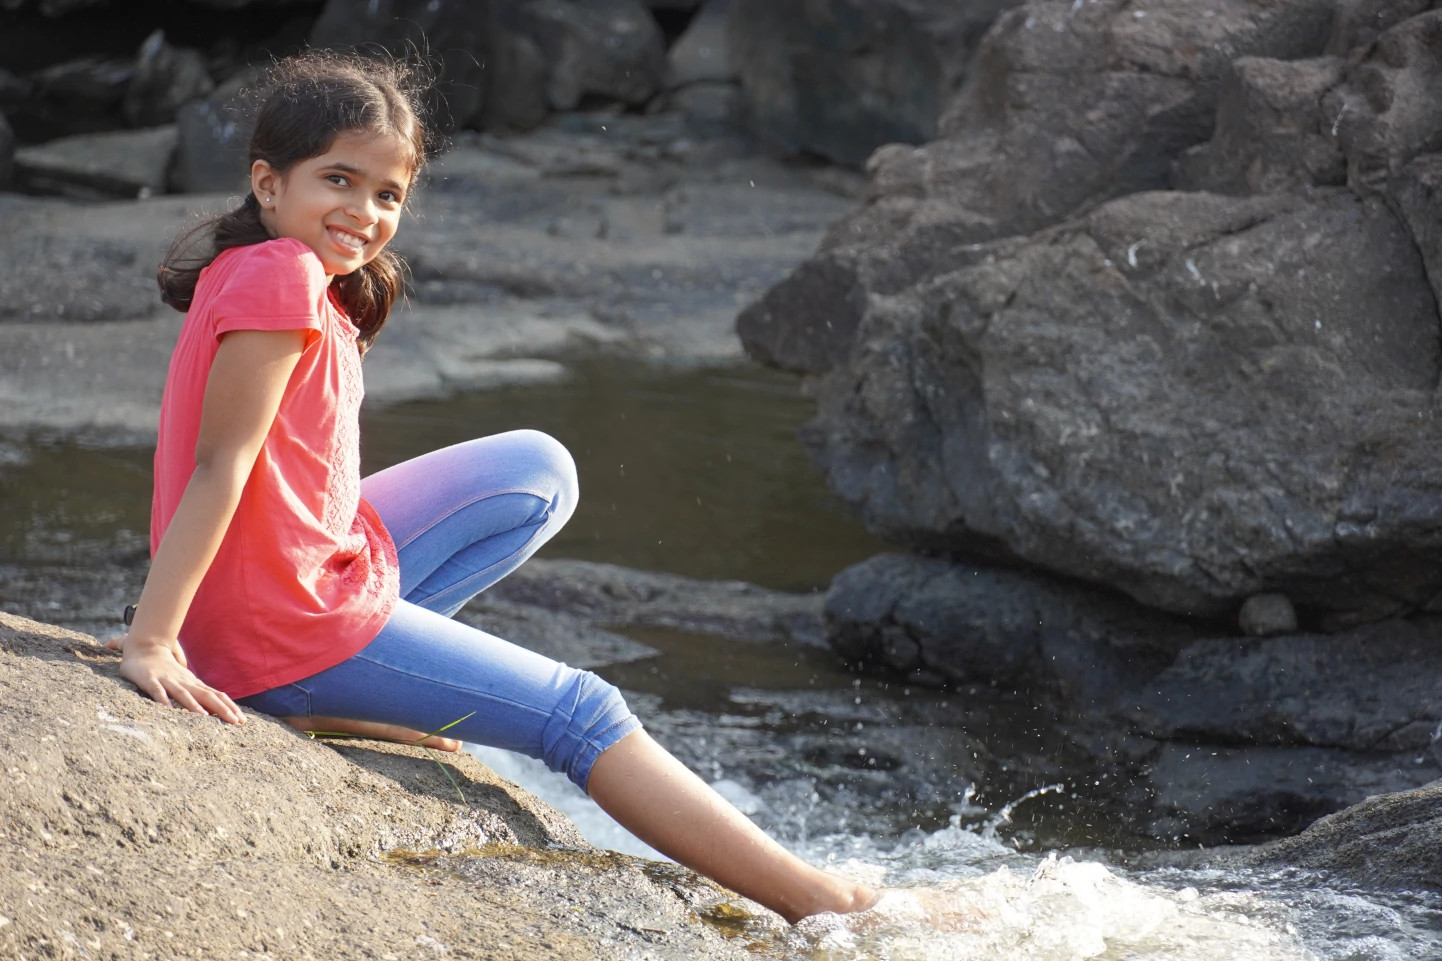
(1265, 614)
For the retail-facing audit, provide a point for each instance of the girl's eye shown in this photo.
(337, 179)
(390, 196)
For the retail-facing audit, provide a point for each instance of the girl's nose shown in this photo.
(363, 211)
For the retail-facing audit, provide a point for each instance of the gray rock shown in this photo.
(700, 54)
(1387, 841)
(1371, 691)
(1183, 396)
(1265, 614)
(1067, 105)
(1384, 115)
(99, 166)
(841, 78)
(453, 32)
(516, 83)
(211, 154)
(1416, 195)
(934, 621)
(7, 152)
(1358, 23)
(611, 49)
(1271, 134)
(165, 78)
(1235, 795)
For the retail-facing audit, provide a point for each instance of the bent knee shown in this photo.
(598, 718)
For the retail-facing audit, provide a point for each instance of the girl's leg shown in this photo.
(467, 515)
(425, 671)
(659, 799)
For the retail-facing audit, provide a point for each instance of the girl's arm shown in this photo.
(242, 394)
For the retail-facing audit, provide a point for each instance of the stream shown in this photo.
(697, 472)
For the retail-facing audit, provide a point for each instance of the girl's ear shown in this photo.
(263, 181)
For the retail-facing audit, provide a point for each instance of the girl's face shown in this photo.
(344, 204)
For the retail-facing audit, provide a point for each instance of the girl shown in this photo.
(283, 582)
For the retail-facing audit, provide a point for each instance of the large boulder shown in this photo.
(1189, 397)
(453, 32)
(842, 77)
(608, 49)
(7, 152)
(1066, 105)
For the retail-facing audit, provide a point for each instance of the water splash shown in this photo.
(1062, 910)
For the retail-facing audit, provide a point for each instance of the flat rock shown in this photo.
(118, 164)
(133, 828)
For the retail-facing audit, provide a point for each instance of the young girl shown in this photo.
(283, 582)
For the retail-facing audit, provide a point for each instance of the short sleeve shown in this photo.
(276, 285)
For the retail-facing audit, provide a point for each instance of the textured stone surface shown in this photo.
(132, 830)
(1189, 397)
(842, 77)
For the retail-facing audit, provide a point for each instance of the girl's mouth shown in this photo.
(346, 239)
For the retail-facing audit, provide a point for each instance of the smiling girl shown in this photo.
(282, 581)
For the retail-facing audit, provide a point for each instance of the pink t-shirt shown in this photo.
(306, 574)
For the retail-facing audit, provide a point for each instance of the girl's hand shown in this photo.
(158, 669)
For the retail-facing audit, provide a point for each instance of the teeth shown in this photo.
(349, 240)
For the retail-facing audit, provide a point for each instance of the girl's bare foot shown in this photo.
(374, 730)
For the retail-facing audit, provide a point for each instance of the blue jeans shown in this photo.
(462, 518)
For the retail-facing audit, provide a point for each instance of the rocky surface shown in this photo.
(620, 234)
(1156, 313)
(844, 77)
(135, 830)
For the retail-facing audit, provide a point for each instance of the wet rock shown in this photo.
(1381, 116)
(931, 620)
(453, 32)
(1271, 133)
(1170, 396)
(99, 166)
(1370, 690)
(700, 54)
(1387, 841)
(165, 78)
(842, 78)
(107, 793)
(1265, 614)
(1067, 105)
(1213, 794)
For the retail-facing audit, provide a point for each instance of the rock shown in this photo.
(611, 49)
(107, 793)
(1212, 794)
(452, 32)
(1271, 134)
(700, 54)
(76, 95)
(1370, 691)
(1066, 106)
(1384, 115)
(516, 83)
(99, 166)
(211, 153)
(608, 594)
(7, 152)
(165, 78)
(1389, 842)
(841, 78)
(1358, 23)
(1183, 396)
(929, 620)
(1416, 196)
(1265, 614)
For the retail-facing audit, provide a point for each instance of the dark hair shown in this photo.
(309, 100)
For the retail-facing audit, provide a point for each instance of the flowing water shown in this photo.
(699, 473)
